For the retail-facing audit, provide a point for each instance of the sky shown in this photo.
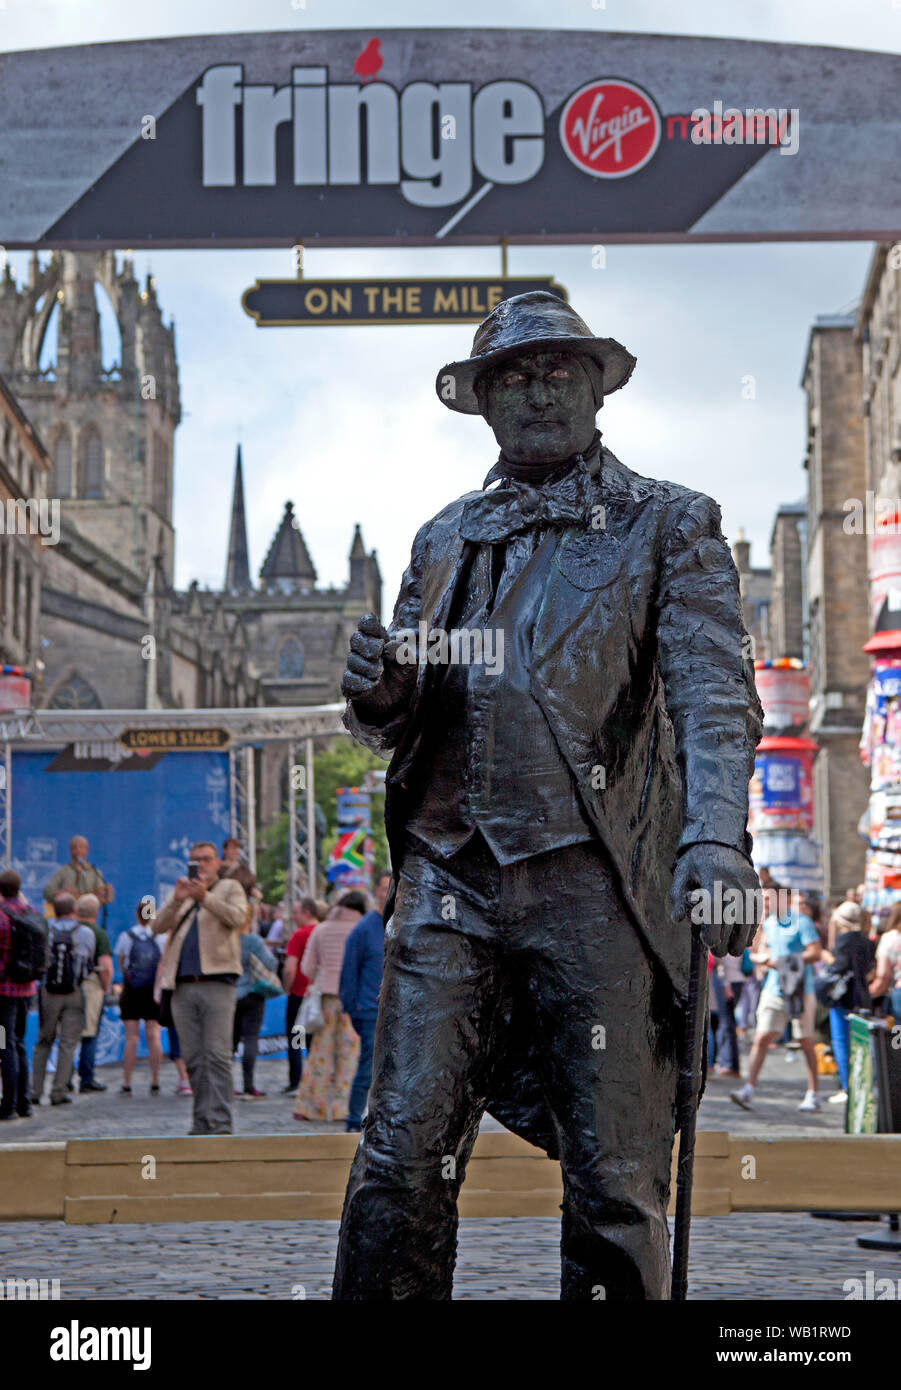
(345, 421)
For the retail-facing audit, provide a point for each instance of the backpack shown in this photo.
(29, 949)
(66, 969)
(143, 959)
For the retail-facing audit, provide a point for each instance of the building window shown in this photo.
(17, 607)
(290, 659)
(75, 693)
(92, 454)
(29, 587)
(64, 465)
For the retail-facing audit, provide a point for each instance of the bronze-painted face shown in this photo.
(541, 406)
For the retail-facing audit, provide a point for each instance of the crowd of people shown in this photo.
(202, 967)
(810, 966)
(204, 964)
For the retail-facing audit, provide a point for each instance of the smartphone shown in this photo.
(193, 869)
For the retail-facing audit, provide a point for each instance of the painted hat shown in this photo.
(540, 321)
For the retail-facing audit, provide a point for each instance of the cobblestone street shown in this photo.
(735, 1257)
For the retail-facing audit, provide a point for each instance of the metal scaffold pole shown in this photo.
(242, 787)
(311, 821)
(292, 830)
(250, 802)
(6, 805)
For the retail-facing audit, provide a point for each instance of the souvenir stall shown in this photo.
(880, 744)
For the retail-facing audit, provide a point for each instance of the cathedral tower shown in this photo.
(106, 412)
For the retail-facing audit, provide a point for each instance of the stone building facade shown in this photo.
(755, 586)
(788, 559)
(97, 613)
(295, 633)
(108, 636)
(878, 331)
(26, 474)
(836, 592)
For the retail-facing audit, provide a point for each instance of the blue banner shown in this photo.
(139, 819)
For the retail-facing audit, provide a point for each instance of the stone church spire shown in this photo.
(237, 572)
(287, 567)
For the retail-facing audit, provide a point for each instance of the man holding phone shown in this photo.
(201, 964)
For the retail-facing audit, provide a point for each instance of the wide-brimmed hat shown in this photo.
(538, 321)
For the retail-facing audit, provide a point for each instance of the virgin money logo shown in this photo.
(610, 128)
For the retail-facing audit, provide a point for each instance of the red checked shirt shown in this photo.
(8, 988)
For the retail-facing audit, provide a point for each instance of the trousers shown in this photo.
(470, 945)
(62, 1015)
(295, 1056)
(204, 1013)
(246, 1029)
(16, 1094)
(364, 1027)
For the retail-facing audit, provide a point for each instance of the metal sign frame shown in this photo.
(248, 728)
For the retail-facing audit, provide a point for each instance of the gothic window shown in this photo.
(290, 659)
(29, 592)
(75, 693)
(64, 465)
(92, 455)
(160, 479)
(17, 603)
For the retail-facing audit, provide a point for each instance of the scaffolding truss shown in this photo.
(247, 730)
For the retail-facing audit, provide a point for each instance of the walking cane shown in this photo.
(687, 1111)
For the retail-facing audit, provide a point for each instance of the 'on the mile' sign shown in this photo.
(278, 303)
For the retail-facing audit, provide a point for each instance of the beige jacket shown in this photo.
(220, 919)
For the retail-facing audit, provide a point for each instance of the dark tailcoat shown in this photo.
(640, 666)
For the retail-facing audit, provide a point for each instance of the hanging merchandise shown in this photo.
(880, 742)
(781, 790)
(792, 858)
(885, 578)
(15, 688)
(784, 689)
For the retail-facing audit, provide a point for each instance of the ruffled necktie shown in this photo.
(563, 498)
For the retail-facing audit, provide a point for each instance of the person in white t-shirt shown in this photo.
(887, 979)
(785, 933)
(276, 934)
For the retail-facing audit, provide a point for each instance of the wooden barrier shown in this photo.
(302, 1177)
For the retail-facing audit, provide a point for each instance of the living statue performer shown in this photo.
(553, 802)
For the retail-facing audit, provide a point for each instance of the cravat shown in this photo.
(564, 499)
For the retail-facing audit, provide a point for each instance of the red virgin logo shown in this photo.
(610, 128)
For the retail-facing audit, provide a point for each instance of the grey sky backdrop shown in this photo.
(345, 421)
